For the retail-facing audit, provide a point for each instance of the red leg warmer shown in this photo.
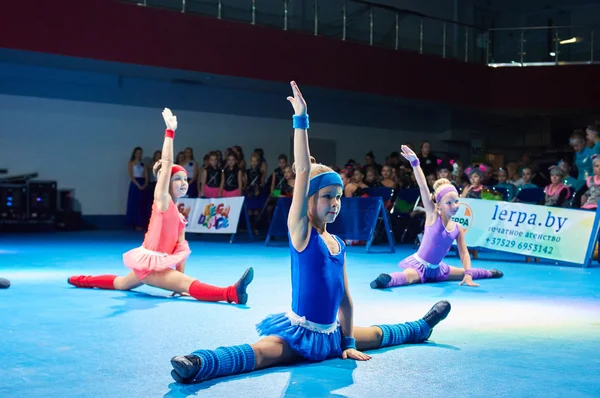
(100, 281)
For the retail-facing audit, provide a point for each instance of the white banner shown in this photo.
(531, 230)
(212, 216)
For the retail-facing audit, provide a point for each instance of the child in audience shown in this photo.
(388, 180)
(211, 178)
(473, 190)
(589, 200)
(504, 183)
(277, 178)
(287, 189)
(232, 179)
(557, 194)
(527, 177)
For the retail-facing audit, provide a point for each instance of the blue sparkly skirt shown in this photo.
(315, 342)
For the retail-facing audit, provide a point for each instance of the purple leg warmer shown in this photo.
(398, 279)
(478, 273)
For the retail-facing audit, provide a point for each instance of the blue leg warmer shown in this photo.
(225, 361)
(402, 333)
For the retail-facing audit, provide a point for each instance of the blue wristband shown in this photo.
(348, 343)
(301, 122)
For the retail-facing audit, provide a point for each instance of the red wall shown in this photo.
(113, 31)
(559, 88)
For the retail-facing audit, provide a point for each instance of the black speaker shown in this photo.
(42, 200)
(13, 203)
(65, 200)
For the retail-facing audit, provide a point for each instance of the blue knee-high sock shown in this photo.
(225, 361)
(402, 333)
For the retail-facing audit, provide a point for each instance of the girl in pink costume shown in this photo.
(160, 261)
(440, 232)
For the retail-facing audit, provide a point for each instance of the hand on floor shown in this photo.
(468, 280)
(354, 354)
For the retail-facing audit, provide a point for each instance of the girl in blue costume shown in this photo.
(310, 331)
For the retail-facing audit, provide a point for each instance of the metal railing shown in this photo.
(542, 45)
(350, 20)
(387, 26)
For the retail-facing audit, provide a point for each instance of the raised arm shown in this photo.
(161, 193)
(420, 177)
(297, 217)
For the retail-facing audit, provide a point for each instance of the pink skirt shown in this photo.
(230, 194)
(143, 261)
(210, 192)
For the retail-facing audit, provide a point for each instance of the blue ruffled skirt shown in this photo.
(312, 345)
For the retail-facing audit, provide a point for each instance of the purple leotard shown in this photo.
(427, 261)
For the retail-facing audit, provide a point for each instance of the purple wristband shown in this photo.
(468, 272)
(415, 162)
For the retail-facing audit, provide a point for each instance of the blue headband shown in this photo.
(324, 180)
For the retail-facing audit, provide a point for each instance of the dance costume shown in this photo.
(162, 250)
(427, 261)
(213, 182)
(556, 196)
(310, 328)
(231, 185)
(286, 190)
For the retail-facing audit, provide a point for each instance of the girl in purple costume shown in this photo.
(320, 323)
(440, 232)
